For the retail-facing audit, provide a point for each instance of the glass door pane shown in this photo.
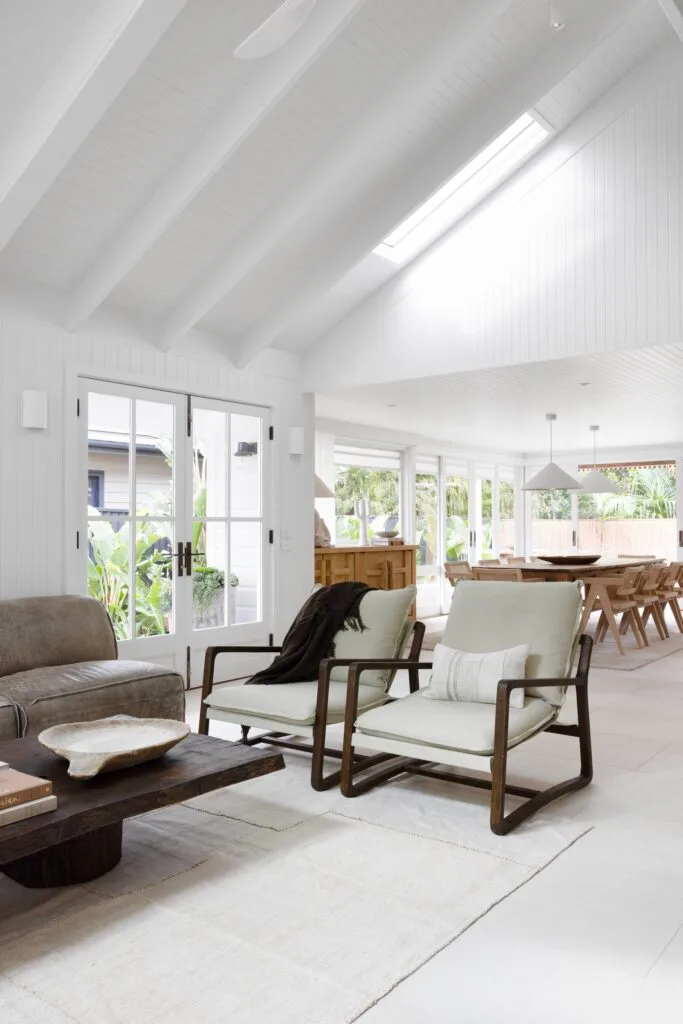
(131, 511)
(506, 513)
(551, 522)
(457, 522)
(427, 539)
(484, 529)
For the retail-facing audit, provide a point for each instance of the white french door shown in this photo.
(171, 536)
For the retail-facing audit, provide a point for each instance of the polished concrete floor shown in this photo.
(598, 935)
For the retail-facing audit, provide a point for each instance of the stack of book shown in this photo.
(23, 796)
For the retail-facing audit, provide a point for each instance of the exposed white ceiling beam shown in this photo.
(673, 12)
(105, 52)
(561, 55)
(340, 165)
(169, 197)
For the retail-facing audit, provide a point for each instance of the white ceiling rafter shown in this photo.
(278, 75)
(107, 50)
(564, 51)
(673, 12)
(334, 172)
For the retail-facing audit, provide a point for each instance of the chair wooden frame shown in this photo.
(498, 573)
(649, 598)
(319, 728)
(455, 571)
(501, 823)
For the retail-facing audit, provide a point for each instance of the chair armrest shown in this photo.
(508, 685)
(241, 649)
(358, 667)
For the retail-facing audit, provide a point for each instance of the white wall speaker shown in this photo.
(296, 440)
(34, 410)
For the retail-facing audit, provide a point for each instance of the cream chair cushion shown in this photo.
(491, 616)
(451, 725)
(385, 616)
(288, 702)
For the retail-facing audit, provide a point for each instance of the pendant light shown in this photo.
(552, 477)
(596, 482)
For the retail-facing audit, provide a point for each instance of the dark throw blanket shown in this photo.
(310, 638)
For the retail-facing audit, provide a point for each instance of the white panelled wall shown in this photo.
(37, 468)
(579, 253)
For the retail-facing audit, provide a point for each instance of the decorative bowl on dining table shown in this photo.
(569, 559)
(107, 744)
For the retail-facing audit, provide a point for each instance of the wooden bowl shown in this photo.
(569, 559)
(110, 743)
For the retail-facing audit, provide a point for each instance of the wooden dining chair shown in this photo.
(669, 593)
(636, 556)
(610, 596)
(649, 600)
(457, 571)
(620, 599)
(501, 572)
(517, 560)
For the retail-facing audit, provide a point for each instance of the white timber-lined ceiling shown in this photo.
(148, 170)
(635, 400)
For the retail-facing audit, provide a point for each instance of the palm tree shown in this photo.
(648, 492)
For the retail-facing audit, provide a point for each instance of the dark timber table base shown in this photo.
(72, 862)
(81, 840)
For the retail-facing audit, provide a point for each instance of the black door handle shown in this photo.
(179, 556)
(188, 558)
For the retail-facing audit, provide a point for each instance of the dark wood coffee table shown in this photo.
(81, 840)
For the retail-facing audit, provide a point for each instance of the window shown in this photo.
(640, 519)
(469, 186)
(95, 489)
(372, 473)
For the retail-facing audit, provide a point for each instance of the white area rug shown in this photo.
(265, 901)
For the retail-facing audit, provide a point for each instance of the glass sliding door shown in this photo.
(176, 546)
(506, 512)
(552, 525)
(428, 537)
(483, 539)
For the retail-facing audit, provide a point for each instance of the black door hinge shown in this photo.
(78, 407)
(271, 536)
(271, 640)
(271, 433)
(78, 540)
(189, 416)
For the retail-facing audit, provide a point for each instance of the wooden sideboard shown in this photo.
(389, 567)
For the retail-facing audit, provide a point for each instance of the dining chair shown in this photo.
(649, 600)
(619, 598)
(517, 560)
(636, 556)
(499, 573)
(669, 593)
(457, 571)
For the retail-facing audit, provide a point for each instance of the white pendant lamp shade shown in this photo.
(552, 477)
(276, 30)
(596, 482)
(321, 488)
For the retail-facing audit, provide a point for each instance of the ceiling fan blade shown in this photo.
(276, 30)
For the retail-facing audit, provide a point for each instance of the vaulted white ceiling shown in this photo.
(146, 168)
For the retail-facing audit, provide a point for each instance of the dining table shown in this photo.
(537, 569)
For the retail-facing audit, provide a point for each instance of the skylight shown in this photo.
(469, 186)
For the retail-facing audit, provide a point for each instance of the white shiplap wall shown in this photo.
(587, 261)
(35, 466)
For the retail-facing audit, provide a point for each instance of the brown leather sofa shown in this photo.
(59, 663)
